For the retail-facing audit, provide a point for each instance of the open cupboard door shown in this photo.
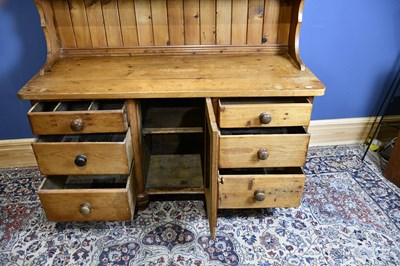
(211, 166)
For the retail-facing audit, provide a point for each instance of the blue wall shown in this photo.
(352, 46)
(22, 53)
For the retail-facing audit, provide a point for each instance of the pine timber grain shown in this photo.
(285, 150)
(173, 76)
(107, 204)
(57, 158)
(246, 113)
(281, 191)
(211, 166)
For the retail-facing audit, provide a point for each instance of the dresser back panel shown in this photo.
(131, 23)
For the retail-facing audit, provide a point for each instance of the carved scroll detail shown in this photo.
(297, 19)
(49, 28)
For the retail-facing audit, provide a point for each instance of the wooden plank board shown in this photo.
(177, 50)
(271, 21)
(173, 120)
(207, 22)
(96, 23)
(160, 22)
(223, 21)
(255, 21)
(144, 22)
(172, 130)
(80, 23)
(64, 24)
(45, 9)
(127, 18)
(239, 22)
(294, 33)
(138, 149)
(211, 166)
(192, 21)
(176, 22)
(173, 117)
(173, 76)
(112, 24)
(175, 171)
(172, 22)
(154, 69)
(285, 16)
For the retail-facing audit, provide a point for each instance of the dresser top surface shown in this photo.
(164, 76)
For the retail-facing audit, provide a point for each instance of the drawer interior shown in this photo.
(118, 137)
(273, 100)
(173, 138)
(70, 106)
(163, 144)
(107, 105)
(262, 171)
(164, 116)
(263, 131)
(73, 106)
(44, 107)
(85, 182)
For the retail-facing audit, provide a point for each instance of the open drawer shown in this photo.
(88, 198)
(264, 112)
(87, 154)
(260, 188)
(263, 147)
(78, 117)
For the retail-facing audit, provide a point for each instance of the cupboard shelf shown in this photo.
(171, 120)
(175, 174)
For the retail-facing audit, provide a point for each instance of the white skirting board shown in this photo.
(18, 152)
(340, 131)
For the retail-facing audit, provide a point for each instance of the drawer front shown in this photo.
(47, 118)
(264, 112)
(286, 150)
(260, 191)
(86, 204)
(56, 156)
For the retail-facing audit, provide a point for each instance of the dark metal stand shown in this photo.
(384, 106)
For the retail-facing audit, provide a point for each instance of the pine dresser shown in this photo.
(165, 97)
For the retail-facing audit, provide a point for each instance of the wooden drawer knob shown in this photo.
(76, 125)
(80, 160)
(265, 118)
(262, 154)
(85, 208)
(259, 195)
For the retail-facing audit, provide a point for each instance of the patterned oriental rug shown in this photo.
(349, 215)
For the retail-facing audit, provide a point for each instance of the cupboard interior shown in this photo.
(173, 141)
